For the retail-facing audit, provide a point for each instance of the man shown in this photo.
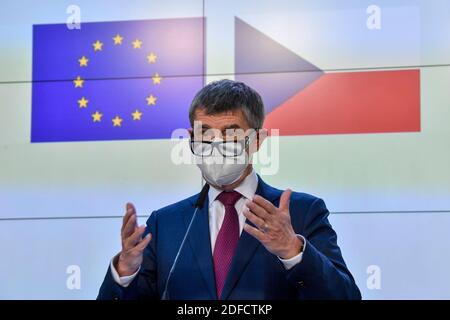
(249, 240)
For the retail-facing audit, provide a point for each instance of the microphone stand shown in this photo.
(198, 205)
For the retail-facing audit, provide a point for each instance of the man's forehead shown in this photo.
(232, 119)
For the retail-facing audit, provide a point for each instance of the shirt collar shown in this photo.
(247, 188)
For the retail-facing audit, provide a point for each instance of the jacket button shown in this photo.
(301, 283)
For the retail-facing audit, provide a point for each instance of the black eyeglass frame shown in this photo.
(214, 144)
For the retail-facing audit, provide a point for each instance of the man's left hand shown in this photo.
(273, 226)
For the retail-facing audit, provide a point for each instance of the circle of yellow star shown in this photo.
(151, 58)
(83, 102)
(83, 61)
(117, 121)
(151, 100)
(117, 39)
(97, 116)
(156, 79)
(137, 115)
(98, 45)
(137, 44)
(78, 82)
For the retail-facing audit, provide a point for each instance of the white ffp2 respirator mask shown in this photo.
(219, 171)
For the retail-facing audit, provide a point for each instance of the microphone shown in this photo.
(202, 196)
(198, 205)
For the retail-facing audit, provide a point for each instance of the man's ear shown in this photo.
(261, 135)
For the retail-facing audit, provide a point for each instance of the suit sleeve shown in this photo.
(144, 285)
(322, 274)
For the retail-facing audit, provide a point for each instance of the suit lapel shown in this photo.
(247, 244)
(199, 240)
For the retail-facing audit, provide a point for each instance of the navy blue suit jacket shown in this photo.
(255, 273)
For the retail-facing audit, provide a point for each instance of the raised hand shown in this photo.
(273, 226)
(130, 258)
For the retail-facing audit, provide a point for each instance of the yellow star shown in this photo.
(97, 116)
(117, 39)
(83, 61)
(83, 102)
(137, 115)
(137, 44)
(156, 79)
(151, 100)
(98, 45)
(78, 82)
(151, 58)
(117, 121)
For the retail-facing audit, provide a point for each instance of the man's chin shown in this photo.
(233, 185)
(226, 187)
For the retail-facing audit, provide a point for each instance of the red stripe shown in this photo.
(356, 102)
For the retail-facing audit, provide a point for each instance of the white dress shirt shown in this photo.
(216, 215)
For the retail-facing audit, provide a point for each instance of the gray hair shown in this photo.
(227, 95)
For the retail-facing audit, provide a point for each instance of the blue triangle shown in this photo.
(274, 71)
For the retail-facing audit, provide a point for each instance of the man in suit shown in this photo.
(248, 241)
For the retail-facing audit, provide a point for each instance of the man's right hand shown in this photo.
(130, 258)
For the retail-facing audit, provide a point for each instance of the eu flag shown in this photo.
(115, 80)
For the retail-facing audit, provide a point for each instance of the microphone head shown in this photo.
(202, 196)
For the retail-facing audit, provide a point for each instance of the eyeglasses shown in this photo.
(230, 148)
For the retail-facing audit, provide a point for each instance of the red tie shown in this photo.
(227, 239)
